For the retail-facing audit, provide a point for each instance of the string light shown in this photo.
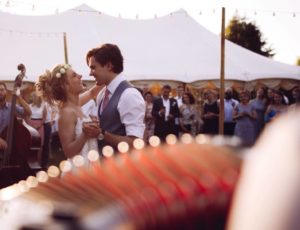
(123, 147)
(171, 139)
(138, 144)
(32, 34)
(8, 4)
(154, 141)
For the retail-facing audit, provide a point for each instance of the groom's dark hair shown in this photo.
(107, 53)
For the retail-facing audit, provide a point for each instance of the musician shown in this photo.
(22, 110)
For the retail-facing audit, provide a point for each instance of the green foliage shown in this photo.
(247, 35)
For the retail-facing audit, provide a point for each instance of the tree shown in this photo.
(298, 61)
(247, 35)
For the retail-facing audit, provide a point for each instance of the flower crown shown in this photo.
(62, 70)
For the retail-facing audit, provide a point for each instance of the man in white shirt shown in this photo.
(121, 107)
(178, 98)
(229, 105)
(165, 111)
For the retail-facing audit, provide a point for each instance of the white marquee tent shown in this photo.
(170, 48)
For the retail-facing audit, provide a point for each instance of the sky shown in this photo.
(279, 21)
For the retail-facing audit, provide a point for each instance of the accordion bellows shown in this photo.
(180, 185)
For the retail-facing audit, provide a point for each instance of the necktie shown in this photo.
(105, 99)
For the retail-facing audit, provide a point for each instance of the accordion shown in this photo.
(181, 184)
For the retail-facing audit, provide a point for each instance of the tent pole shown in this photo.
(66, 48)
(221, 93)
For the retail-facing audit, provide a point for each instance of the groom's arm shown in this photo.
(114, 140)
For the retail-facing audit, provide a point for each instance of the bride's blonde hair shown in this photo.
(52, 84)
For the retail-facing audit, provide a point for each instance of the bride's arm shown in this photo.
(89, 94)
(66, 130)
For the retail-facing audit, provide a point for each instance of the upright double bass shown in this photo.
(20, 159)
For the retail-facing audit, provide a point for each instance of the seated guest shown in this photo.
(38, 115)
(22, 109)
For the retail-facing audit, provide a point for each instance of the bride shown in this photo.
(62, 87)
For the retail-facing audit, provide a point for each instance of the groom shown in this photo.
(121, 107)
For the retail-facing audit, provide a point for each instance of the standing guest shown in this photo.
(296, 99)
(179, 99)
(210, 114)
(38, 117)
(244, 114)
(23, 109)
(270, 97)
(165, 111)
(55, 144)
(277, 108)
(199, 112)
(229, 104)
(62, 87)
(149, 119)
(188, 114)
(47, 135)
(145, 89)
(259, 104)
(121, 107)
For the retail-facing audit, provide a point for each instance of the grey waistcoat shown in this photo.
(110, 118)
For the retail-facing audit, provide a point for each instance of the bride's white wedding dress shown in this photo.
(91, 144)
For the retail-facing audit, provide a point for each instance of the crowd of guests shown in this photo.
(244, 115)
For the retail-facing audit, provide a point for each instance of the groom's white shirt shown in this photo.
(131, 107)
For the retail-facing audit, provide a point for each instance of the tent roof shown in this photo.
(173, 47)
